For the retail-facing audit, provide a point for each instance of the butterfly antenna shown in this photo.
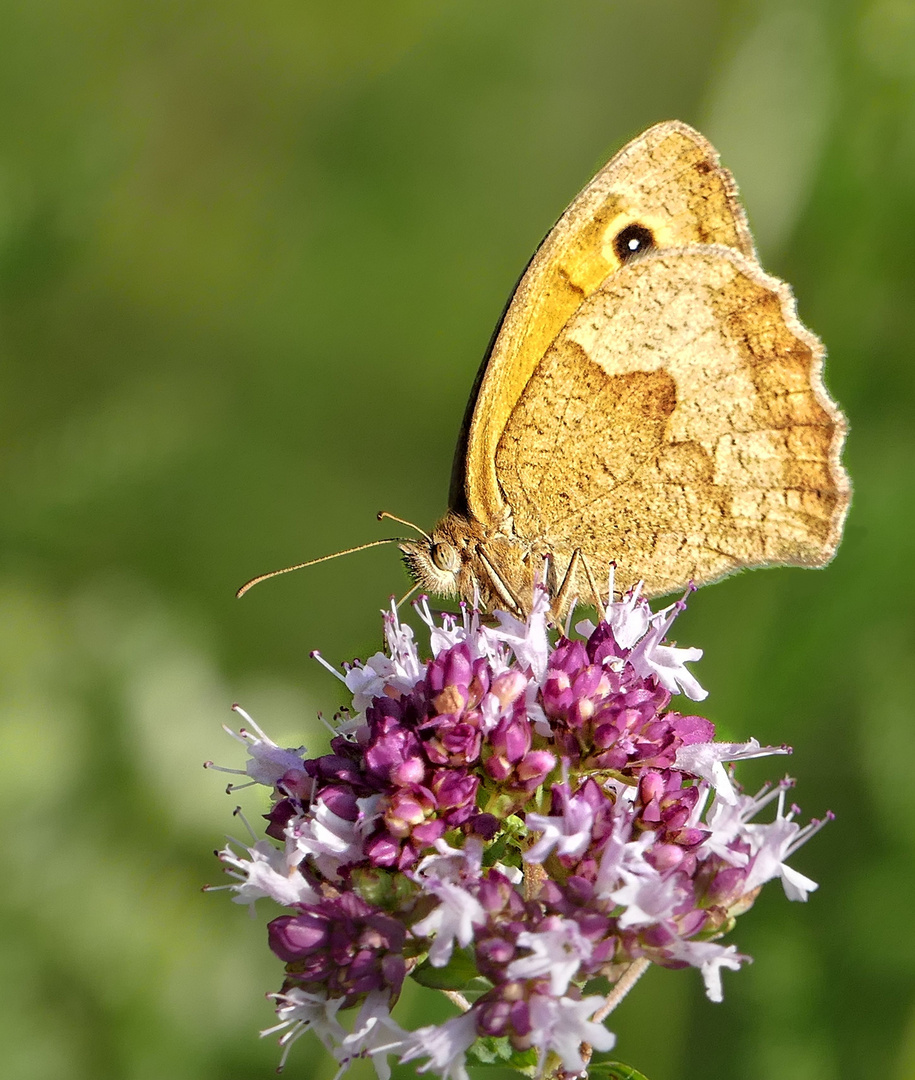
(382, 514)
(312, 562)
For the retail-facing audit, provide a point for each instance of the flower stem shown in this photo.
(624, 984)
(453, 995)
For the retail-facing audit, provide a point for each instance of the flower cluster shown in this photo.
(519, 819)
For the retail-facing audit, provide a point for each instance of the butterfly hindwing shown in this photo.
(677, 426)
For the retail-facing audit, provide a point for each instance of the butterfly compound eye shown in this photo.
(445, 557)
(634, 240)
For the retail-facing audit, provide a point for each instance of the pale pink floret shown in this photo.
(557, 951)
(327, 839)
(529, 641)
(300, 1012)
(705, 760)
(375, 1035)
(710, 957)
(648, 897)
(267, 874)
(454, 920)
(562, 1024)
(268, 763)
(667, 663)
(773, 843)
(568, 833)
(445, 1045)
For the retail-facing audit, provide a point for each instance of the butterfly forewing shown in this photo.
(668, 182)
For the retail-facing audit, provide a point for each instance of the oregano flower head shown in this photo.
(519, 819)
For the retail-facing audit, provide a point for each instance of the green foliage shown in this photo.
(613, 1070)
(490, 1051)
(457, 974)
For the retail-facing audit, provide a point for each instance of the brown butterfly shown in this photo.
(649, 399)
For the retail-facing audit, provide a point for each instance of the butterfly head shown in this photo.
(450, 562)
(434, 563)
(461, 559)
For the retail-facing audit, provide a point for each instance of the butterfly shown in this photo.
(650, 399)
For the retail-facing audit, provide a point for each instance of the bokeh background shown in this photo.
(250, 256)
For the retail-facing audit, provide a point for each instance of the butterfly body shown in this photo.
(650, 399)
(483, 563)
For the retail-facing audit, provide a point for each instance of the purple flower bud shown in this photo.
(602, 644)
(557, 694)
(451, 701)
(658, 936)
(458, 666)
(665, 857)
(408, 808)
(511, 739)
(692, 922)
(485, 825)
(590, 681)
(497, 894)
(453, 742)
(520, 1021)
(280, 815)
(382, 850)
(494, 1017)
(408, 772)
(498, 768)
(451, 668)
(336, 768)
(341, 801)
(296, 783)
(494, 952)
(691, 729)
(393, 751)
(534, 768)
(455, 791)
(427, 833)
(568, 656)
(727, 886)
(293, 937)
(651, 788)
(393, 970)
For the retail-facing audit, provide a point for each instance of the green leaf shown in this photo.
(455, 975)
(488, 1050)
(501, 804)
(496, 850)
(614, 1070)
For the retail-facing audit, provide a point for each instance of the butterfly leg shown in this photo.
(498, 583)
(595, 591)
(566, 597)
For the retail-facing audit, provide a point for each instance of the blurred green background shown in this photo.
(250, 256)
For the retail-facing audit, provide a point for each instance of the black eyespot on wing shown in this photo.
(634, 240)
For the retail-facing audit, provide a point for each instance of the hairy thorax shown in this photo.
(463, 559)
